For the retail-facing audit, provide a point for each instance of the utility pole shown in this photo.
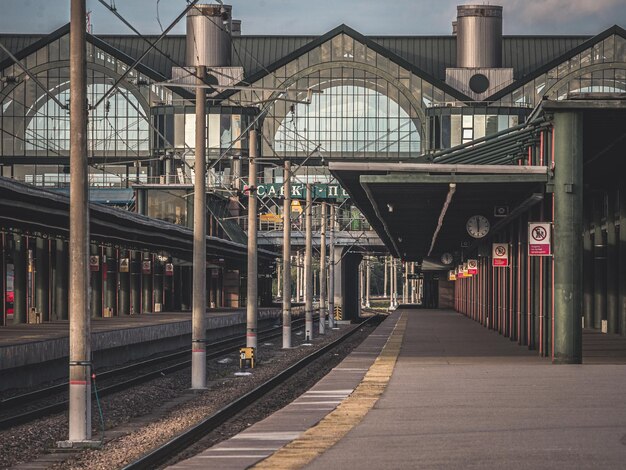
(287, 256)
(323, 290)
(308, 265)
(252, 308)
(331, 272)
(80, 323)
(198, 315)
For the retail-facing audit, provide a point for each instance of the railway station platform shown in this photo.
(35, 353)
(446, 392)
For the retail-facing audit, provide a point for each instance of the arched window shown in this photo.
(348, 121)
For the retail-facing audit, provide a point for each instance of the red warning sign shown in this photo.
(539, 239)
(500, 255)
(94, 263)
(472, 267)
(146, 266)
(169, 269)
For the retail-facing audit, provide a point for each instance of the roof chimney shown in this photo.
(479, 36)
(236, 28)
(209, 35)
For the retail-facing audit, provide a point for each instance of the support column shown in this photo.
(331, 272)
(568, 202)
(146, 283)
(135, 283)
(252, 290)
(198, 314)
(60, 280)
(287, 256)
(587, 268)
(622, 260)
(96, 284)
(279, 277)
(385, 280)
(42, 278)
(368, 285)
(323, 285)
(361, 285)
(110, 281)
(157, 287)
(394, 277)
(20, 284)
(612, 273)
(123, 265)
(599, 264)
(405, 284)
(298, 276)
(80, 323)
(308, 265)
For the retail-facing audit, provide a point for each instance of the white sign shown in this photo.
(500, 255)
(539, 235)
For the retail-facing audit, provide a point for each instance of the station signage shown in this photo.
(539, 239)
(169, 269)
(124, 265)
(500, 255)
(472, 267)
(298, 191)
(146, 266)
(94, 263)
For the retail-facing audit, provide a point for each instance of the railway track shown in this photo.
(179, 360)
(173, 447)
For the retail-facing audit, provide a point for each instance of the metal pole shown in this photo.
(252, 297)
(80, 322)
(612, 268)
(568, 249)
(622, 260)
(361, 285)
(385, 277)
(287, 256)
(298, 276)
(279, 275)
(198, 309)
(368, 273)
(323, 289)
(405, 285)
(308, 265)
(599, 264)
(331, 273)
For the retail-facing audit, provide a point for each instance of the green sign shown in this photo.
(298, 191)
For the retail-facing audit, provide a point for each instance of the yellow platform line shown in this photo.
(346, 416)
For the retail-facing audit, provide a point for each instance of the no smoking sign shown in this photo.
(500, 255)
(539, 239)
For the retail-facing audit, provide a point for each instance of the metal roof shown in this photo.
(255, 53)
(420, 210)
(35, 209)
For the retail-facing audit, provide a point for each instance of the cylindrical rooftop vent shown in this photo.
(209, 35)
(479, 36)
(236, 28)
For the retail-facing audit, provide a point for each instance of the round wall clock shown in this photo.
(478, 226)
(447, 259)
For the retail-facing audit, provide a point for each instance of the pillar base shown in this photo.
(89, 444)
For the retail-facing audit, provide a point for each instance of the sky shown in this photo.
(370, 17)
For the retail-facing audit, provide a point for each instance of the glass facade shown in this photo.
(35, 139)
(598, 69)
(369, 107)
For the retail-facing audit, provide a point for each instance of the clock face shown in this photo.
(447, 259)
(478, 226)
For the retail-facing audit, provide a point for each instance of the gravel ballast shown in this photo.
(148, 415)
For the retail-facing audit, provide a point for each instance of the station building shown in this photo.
(423, 133)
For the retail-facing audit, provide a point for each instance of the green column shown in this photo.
(42, 278)
(123, 266)
(622, 260)
(96, 284)
(612, 274)
(568, 247)
(19, 279)
(60, 280)
(599, 265)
